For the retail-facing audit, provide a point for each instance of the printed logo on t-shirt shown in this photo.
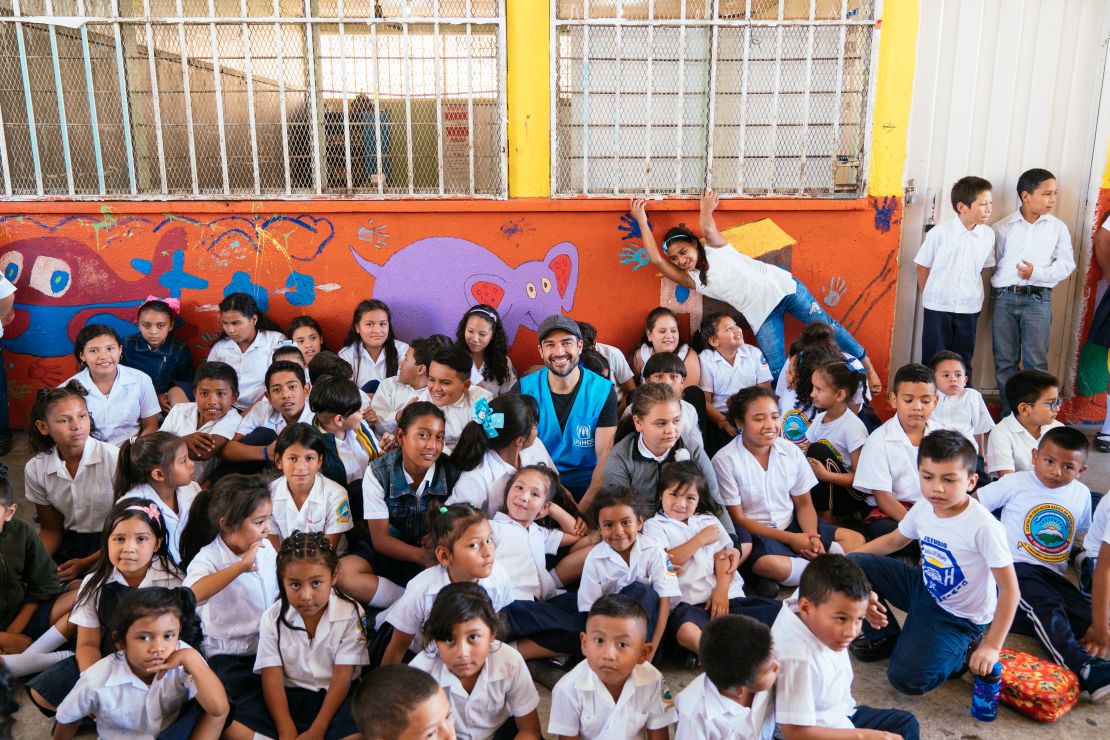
(794, 426)
(941, 573)
(583, 436)
(1048, 532)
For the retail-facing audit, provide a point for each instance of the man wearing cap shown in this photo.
(578, 408)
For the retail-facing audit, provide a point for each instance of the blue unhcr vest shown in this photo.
(571, 447)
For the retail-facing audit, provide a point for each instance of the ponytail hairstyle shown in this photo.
(144, 510)
(842, 377)
(245, 304)
(814, 348)
(446, 525)
(38, 439)
(221, 509)
(682, 234)
(496, 353)
(457, 603)
(521, 414)
(89, 333)
(141, 456)
(653, 318)
(648, 395)
(153, 601)
(682, 474)
(392, 361)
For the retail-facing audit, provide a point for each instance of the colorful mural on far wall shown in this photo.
(428, 261)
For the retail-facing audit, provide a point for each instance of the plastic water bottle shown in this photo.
(984, 697)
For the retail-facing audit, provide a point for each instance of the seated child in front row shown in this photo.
(836, 438)
(814, 688)
(966, 582)
(210, 422)
(303, 499)
(1034, 397)
(396, 702)
(765, 483)
(1042, 510)
(487, 681)
(732, 699)
(615, 692)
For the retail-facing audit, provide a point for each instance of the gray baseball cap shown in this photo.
(558, 322)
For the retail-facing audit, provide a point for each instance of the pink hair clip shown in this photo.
(152, 511)
(174, 303)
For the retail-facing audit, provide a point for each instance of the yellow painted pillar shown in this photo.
(528, 97)
(893, 93)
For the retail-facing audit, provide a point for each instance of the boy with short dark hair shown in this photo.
(667, 368)
(209, 422)
(1042, 510)
(1034, 397)
(732, 698)
(615, 692)
(950, 267)
(1034, 253)
(966, 579)
(290, 352)
(396, 391)
(959, 408)
(397, 702)
(287, 389)
(337, 406)
(450, 389)
(811, 633)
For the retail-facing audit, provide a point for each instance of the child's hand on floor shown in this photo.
(1096, 641)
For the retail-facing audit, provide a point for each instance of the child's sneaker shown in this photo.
(870, 651)
(1095, 679)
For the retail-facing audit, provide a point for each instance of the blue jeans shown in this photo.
(1019, 331)
(932, 644)
(807, 309)
(898, 721)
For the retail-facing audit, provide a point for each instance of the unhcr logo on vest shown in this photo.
(583, 436)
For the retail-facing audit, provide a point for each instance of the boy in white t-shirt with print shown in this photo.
(966, 581)
(1034, 396)
(1042, 510)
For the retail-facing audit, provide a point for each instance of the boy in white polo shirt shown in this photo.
(210, 422)
(966, 579)
(727, 366)
(887, 469)
(449, 388)
(950, 266)
(1034, 396)
(1042, 510)
(615, 692)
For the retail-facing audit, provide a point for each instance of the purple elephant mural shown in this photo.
(430, 284)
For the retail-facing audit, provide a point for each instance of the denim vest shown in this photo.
(406, 509)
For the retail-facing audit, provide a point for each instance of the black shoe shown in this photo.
(761, 586)
(1102, 444)
(870, 651)
(5, 443)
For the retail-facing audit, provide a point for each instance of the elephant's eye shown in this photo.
(531, 289)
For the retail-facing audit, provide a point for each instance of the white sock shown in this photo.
(387, 593)
(1105, 432)
(835, 548)
(797, 566)
(48, 642)
(27, 663)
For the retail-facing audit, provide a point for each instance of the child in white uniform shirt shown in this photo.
(210, 422)
(480, 331)
(157, 467)
(1034, 397)
(349, 442)
(247, 343)
(615, 692)
(811, 634)
(121, 399)
(449, 388)
(835, 438)
(370, 345)
(395, 392)
(661, 335)
(310, 646)
(302, 499)
(959, 408)
(491, 691)
(286, 402)
(155, 682)
(1093, 565)
(727, 366)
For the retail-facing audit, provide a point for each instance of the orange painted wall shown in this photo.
(72, 261)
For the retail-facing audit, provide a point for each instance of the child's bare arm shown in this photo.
(795, 541)
(277, 703)
(682, 553)
(660, 625)
(398, 644)
(338, 687)
(1097, 640)
(638, 207)
(922, 277)
(983, 659)
(708, 204)
(888, 543)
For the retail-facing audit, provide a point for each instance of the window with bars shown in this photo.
(252, 98)
(750, 97)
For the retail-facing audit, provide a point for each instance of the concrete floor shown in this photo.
(942, 713)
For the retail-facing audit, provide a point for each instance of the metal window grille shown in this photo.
(252, 98)
(750, 97)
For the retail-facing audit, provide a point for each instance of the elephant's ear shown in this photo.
(488, 289)
(562, 260)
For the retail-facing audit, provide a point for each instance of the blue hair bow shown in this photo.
(490, 422)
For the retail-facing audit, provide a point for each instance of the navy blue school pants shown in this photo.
(950, 331)
(897, 721)
(554, 624)
(1052, 610)
(932, 644)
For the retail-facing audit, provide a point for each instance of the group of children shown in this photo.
(224, 551)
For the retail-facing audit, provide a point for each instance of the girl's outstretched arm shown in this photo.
(638, 208)
(708, 224)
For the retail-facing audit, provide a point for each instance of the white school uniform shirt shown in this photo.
(645, 351)
(250, 364)
(1010, 446)
(766, 495)
(523, 552)
(392, 396)
(581, 705)
(619, 369)
(1100, 529)
(231, 617)
(705, 714)
(132, 397)
(458, 414)
(752, 287)
(173, 521)
(844, 435)
(966, 413)
(6, 289)
(326, 509)
(722, 379)
(84, 614)
(888, 462)
(605, 572)
(366, 368)
(495, 389)
(504, 689)
(124, 705)
(263, 414)
(409, 612)
(182, 420)
(308, 661)
(957, 555)
(352, 454)
(956, 258)
(84, 499)
(697, 579)
(484, 486)
(814, 687)
(1045, 243)
(1040, 522)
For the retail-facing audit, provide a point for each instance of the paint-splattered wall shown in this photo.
(76, 263)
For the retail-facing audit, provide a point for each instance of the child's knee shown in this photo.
(913, 680)
(849, 539)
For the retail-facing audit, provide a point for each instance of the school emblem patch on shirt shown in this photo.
(1048, 532)
(343, 512)
(943, 576)
(665, 695)
(671, 570)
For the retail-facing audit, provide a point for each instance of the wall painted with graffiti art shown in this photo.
(78, 263)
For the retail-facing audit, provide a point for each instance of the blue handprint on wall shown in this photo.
(634, 255)
(630, 228)
(241, 283)
(302, 289)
